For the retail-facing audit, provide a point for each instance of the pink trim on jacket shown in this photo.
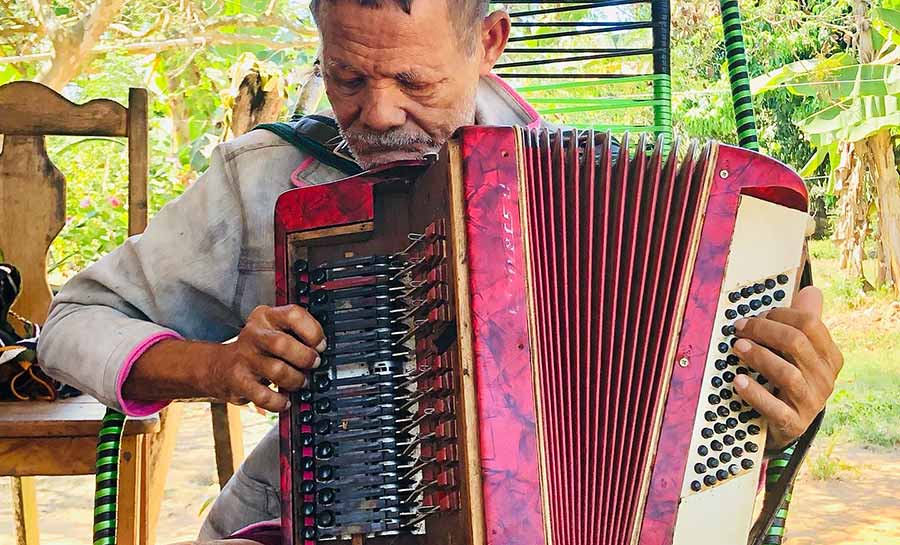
(529, 109)
(295, 176)
(133, 408)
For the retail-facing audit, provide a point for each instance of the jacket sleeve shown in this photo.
(178, 279)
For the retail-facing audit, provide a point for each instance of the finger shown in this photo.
(779, 415)
(810, 300)
(280, 373)
(299, 321)
(776, 369)
(287, 348)
(266, 398)
(784, 338)
(811, 325)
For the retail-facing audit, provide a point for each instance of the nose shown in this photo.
(383, 110)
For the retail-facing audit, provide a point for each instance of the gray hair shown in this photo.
(466, 14)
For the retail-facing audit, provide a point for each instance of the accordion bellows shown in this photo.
(530, 343)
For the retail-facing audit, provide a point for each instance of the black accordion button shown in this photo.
(306, 396)
(728, 440)
(720, 428)
(319, 297)
(300, 266)
(307, 439)
(759, 288)
(744, 417)
(732, 359)
(728, 330)
(735, 406)
(733, 469)
(741, 371)
(747, 463)
(306, 417)
(308, 487)
(319, 276)
(709, 416)
(743, 310)
(324, 405)
(762, 380)
(324, 474)
(753, 429)
(716, 446)
(728, 376)
(712, 463)
(725, 457)
(322, 383)
(770, 283)
(756, 304)
(737, 452)
(740, 435)
(717, 382)
(724, 348)
(309, 534)
(326, 496)
(308, 464)
(731, 314)
(699, 468)
(702, 450)
(723, 411)
(325, 519)
(302, 289)
(779, 295)
(324, 427)
(706, 433)
(751, 447)
(309, 509)
(725, 393)
(747, 292)
(734, 297)
(721, 475)
(696, 486)
(731, 423)
(783, 279)
(714, 399)
(709, 480)
(325, 451)
(766, 300)
(721, 365)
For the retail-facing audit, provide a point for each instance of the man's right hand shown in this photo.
(276, 346)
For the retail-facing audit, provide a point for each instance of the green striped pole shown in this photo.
(775, 533)
(107, 480)
(740, 77)
(662, 86)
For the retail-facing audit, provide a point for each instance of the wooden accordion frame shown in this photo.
(530, 342)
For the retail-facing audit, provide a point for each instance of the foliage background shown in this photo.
(182, 51)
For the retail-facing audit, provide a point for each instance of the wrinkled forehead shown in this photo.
(352, 31)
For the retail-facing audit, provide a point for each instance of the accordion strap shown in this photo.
(318, 136)
(779, 492)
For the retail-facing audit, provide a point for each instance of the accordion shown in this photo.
(529, 341)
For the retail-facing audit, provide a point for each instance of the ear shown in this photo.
(495, 31)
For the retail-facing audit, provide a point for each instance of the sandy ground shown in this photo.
(860, 506)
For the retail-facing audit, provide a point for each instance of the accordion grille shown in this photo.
(609, 238)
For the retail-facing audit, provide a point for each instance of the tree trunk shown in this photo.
(257, 101)
(853, 205)
(886, 179)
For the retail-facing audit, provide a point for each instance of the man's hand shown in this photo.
(275, 346)
(792, 348)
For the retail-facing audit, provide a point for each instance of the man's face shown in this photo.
(399, 84)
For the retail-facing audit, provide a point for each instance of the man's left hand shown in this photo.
(792, 348)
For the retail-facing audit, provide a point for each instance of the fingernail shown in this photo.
(739, 325)
(317, 363)
(764, 314)
(741, 381)
(322, 345)
(742, 345)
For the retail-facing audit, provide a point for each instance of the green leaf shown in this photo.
(889, 17)
(852, 120)
(812, 165)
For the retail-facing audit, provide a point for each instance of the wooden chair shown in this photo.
(33, 434)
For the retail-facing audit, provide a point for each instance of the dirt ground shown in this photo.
(861, 505)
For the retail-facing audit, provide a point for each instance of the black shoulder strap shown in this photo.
(315, 135)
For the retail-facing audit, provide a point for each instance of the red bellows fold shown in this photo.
(609, 234)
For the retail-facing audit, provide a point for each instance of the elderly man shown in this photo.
(144, 325)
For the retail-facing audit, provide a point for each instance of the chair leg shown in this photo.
(229, 439)
(25, 512)
(128, 517)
